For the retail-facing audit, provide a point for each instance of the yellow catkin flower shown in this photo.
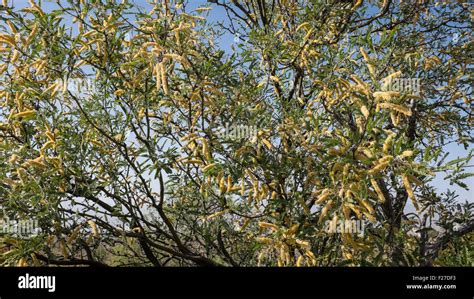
(220, 213)
(240, 151)
(158, 76)
(406, 154)
(385, 159)
(378, 168)
(398, 108)
(367, 206)
(22, 263)
(229, 183)
(268, 226)
(119, 92)
(93, 226)
(367, 152)
(22, 174)
(35, 260)
(360, 123)
(312, 257)
(62, 247)
(367, 59)
(275, 79)
(414, 180)
(80, 63)
(274, 195)
(334, 221)
(261, 194)
(325, 210)
(141, 113)
(346, 211)
(150, 44)
(36, 162)
(202, 188)
(323, 196)
(387, 145)
(348, 255)
(293, 229)
(219, 176)
(395, 118)
(222, 187)
(7, 39)
(207, 167)
(164, 79)
(179, 58)
(410, 192)
(3, 68)
(304, 244)
(12, 27)
(378, 190)
(365, 111)
(242, 187)
(261, 84)
(348, 241)
(189, 137)
(357, 4)
(385, 95)
(90, 239)
(27, 113)
(45, 146)
(283, 253)
(13, 158)
(251, 196)
(302, 25)
(36, 7)
(303, 204)
(245, 224)
(280, 262)
(205, 149)
(74, 235)
(52, 88)
(16, 55)
(361, 85)
(203, 9)
(251, 176)
(19, 101)
(306, 37)
(260, 258)
(264, 240)
(267, 143)
(193, 161)
(31, 35)
(235, 188)
(300, 261)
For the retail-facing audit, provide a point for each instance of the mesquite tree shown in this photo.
(134, 138)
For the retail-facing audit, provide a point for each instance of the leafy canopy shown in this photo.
(113, 132)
